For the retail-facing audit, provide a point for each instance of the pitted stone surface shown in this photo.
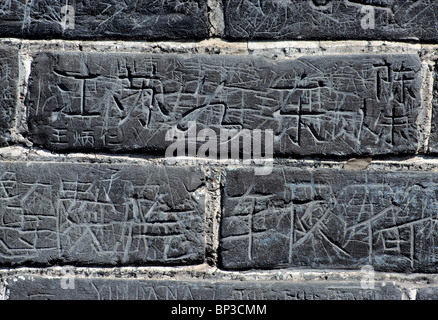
(330, 219)
(40, 288)
(331, 105)
(90, 19)
(8, 91)
(331, 19)
(88, 214)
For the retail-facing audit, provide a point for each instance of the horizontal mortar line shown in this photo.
(244, 47)
(45, 155)
(207, 273)
(135, 158)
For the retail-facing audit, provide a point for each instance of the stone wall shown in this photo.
(97, 96)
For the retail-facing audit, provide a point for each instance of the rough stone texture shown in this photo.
(429, 292)
(330, 219)
(330, 19)
(42, 288)
(145, 19)
(348, 118)
(331, 105)
(86, 214)
(433, 139)
(8, 91)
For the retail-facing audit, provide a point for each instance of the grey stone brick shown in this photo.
(330, 105)
(42, 288)
(91, 19)
(331, 19)
(8, 91)
(330, 219)
(96, 214)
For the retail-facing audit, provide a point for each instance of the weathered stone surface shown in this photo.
(327, 218)
(433, 139)
(88, 214)
(331, 19)
(41, 288)
(336, 105)
(8, 91)
(427, 292)
(85, 19)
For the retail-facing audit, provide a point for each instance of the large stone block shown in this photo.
(330, 219)
(91, 19)
(8, 91)
(89, 214)
(331, 19)
(41, 288)
(331, 105)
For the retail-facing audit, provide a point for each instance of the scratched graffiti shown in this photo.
(331, 219)
(167, 19)
(8, 88)
(337, 105)
(133, 289)
(98, 214)
(330, 19)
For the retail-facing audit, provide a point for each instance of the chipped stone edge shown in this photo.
(216, 18)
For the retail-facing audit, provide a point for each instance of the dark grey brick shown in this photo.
(335, 105)
(8, 91)
(433, 139)
(90, 214)
(40, 288)
(327, 218)
(330, 19)
(145, 19)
